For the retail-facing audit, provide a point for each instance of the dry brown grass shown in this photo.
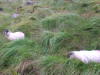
(27, 68)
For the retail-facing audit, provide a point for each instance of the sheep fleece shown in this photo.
(87, 56)
(16, 36)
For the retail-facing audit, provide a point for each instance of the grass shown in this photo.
(52, 29)
(15, 50)
(64, 22)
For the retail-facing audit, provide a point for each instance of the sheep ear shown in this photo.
(5, 32)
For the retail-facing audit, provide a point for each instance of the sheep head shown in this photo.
(5, 32)
(71, 54)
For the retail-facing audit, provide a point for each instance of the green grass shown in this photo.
(54, 28)
(64, 22)
(16, 51)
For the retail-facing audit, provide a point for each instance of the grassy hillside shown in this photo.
(52, 28)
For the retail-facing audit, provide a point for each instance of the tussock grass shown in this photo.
(59, 66)
(53, 42)
(16, 51)
(65, 22)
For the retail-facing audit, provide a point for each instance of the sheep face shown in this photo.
(6, 32)
(70, 55)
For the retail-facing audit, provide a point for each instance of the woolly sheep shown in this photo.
(85, 56)
(14, 35)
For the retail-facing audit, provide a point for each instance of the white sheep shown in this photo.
(86, 56)
(14, 35)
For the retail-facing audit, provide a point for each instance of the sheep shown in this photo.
(14, 35)
(85, 56)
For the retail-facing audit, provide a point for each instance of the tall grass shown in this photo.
(64, 22)
(16, 51)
